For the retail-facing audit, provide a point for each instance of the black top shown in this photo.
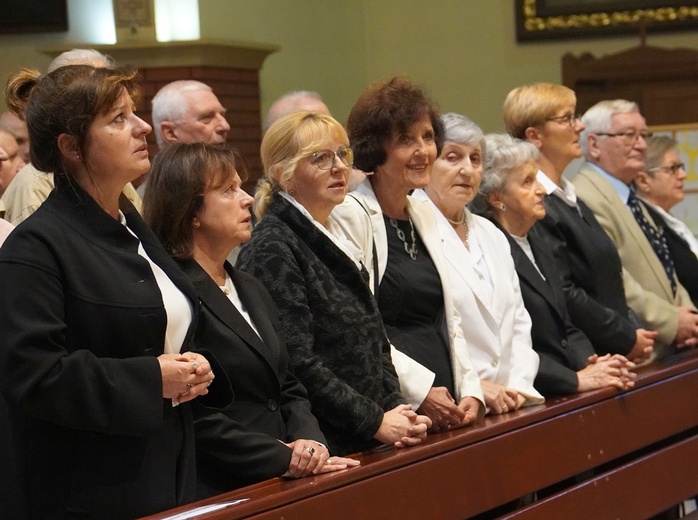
(330, 321)
(591, 274)
(92, 435)
(240, 444)
(411, 302)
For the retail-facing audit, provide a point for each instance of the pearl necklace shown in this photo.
(410, 250)
(464, 221)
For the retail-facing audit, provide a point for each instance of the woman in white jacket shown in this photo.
(484, 283)
(395, 133)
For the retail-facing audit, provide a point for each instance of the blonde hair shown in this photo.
(531, 106)
(288, 140)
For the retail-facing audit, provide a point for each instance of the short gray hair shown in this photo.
(169, 104)
(505, 155)
(598, 118)
(81, 57)
(290, 101)
(657, 148)
(459, 129)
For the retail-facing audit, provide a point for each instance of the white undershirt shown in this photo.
(232, 294)
(177, 307)
(523, 242)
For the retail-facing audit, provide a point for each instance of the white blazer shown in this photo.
(496, 328)
(361, 218)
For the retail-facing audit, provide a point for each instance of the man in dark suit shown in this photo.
(614, 143)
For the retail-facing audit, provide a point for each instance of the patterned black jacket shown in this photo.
(333, 329)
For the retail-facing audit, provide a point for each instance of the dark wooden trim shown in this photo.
(468, 472)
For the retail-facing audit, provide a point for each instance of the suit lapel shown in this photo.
(218, 303)
(251, 299)
(528, 272)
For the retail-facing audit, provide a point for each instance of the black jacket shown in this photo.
(82, 324)
(563, 348)
(331, 323)
(240, 445)
(591, 274)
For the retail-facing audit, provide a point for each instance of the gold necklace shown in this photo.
(464, 221)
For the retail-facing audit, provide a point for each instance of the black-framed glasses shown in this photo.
(567, 119)
(629, 136)
(672, 169)
(324, 159)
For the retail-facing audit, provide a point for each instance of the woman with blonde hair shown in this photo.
(587, 260)
(333, 330)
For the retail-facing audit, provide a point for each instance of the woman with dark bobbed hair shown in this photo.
(199, 211)
(396, 135)
(315, 275)
(95, 365)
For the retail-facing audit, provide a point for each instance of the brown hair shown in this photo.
(65, 101)
(385, 109)
(181, 174)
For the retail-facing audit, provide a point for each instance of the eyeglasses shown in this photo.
(567, 119)
(324, 159)
(629, 136)
(672, 169)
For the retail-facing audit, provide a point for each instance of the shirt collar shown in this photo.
(622, 189)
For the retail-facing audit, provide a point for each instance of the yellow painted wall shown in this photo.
(463, 51)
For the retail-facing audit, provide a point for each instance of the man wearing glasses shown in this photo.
(614, 144)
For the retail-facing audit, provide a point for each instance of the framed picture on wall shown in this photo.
(686, 137)
(558, 19)
(33, 16)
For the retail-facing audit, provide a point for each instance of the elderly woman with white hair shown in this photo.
(512, 198)
(486, 292)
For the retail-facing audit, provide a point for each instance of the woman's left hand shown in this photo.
(312, 458)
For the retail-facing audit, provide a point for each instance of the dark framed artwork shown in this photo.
(33, 16)
(566, 19)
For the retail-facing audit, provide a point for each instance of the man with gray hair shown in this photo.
(30, 187)
(294, 101)
(188, 111)
(614, 144)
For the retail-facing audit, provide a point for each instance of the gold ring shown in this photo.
(310, 449)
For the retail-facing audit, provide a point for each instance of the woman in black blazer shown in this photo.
(512, 197)
(660, 188)
(198, 209)
(587, 260)
(97, 319)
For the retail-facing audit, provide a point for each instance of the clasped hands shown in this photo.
(445, 413)
(312, 458)
(185, 376)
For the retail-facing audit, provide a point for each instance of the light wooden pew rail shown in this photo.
(641, 444)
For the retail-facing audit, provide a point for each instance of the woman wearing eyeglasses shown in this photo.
(660, 187)
(587, 260)
(315, 275)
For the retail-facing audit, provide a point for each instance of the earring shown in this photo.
(503, 206)
(197, 223)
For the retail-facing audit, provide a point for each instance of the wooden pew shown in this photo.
(636, 452)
